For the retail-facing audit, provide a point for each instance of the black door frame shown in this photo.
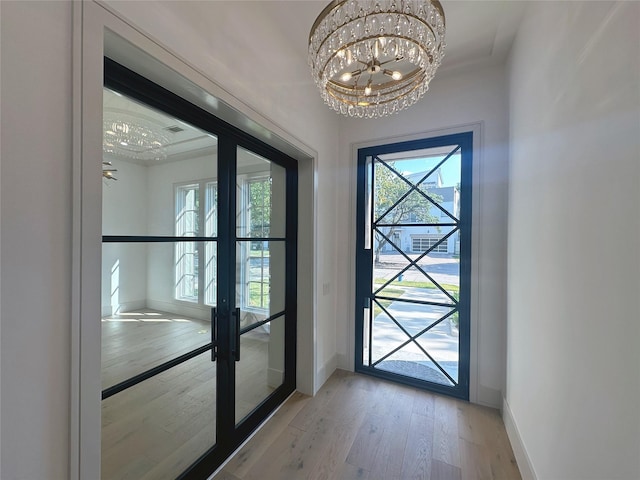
(228, 435)
(364, 260)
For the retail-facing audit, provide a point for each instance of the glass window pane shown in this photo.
(155, 168)
(260, 276)
(159, 427)
(261, 194)
(261, 367)
(143, 324)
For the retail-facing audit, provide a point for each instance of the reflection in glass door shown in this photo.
(413, 262)
(158, 288)
(260, 279)
(198, 283)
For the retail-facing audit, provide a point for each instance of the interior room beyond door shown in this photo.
(198, 283)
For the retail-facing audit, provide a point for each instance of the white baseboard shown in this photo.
(274, 377)
(344, 363)
(325, 371)
(488, 397)
(519, 450)
(180, 308)
(108, 310)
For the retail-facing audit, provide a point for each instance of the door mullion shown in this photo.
(225, 392)
(291, 253)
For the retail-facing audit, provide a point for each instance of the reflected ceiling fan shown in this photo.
(108, 170)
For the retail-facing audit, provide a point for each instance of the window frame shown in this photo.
(206, 276)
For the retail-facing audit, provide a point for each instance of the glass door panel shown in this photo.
(260, 279)
(198, 283)
(414, 232)
(158, 172)
(159, 427)
(261, 367)
(159, 285)
(261, 197)
(161, 328)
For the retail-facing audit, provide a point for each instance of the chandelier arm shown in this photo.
(397, 59)
(333, 93)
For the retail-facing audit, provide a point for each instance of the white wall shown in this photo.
(124, 212)
(451, 101)
(36, 239)
(573, 381)
(161, 208)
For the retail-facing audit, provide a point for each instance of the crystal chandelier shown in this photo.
(133, 138)
(372, 58)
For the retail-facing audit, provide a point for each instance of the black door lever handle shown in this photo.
(214, 334)
(236, 350)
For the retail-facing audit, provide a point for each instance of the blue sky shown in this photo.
(450, 169)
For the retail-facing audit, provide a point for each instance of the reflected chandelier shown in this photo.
(372, 58)
(136, 138)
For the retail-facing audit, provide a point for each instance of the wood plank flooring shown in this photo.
(156, 429)
(134, 342)
(358, 427)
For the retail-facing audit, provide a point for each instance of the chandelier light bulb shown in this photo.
(398, 43)
(367, 89)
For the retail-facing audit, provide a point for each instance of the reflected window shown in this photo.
(196, 282)
(255, 195)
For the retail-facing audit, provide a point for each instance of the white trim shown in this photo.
(517, 444)
(325, 371)
(476, 128)
(75, 439)
(98, 29)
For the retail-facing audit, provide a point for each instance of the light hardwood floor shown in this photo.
(157, 428)
(358, 427)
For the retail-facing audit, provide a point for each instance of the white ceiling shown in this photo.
(479, 33)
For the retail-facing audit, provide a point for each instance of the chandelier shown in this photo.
(372, 58)
(127, 136)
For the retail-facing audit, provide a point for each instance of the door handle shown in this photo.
(214, 334)
(236, 350)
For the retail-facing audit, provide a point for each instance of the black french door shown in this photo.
(413, 262)
(199, 282)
